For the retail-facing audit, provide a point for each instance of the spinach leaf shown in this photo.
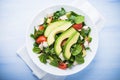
(33, 35)
(79, 59)
(37, 33)
(79, 19)
(71, 13)
(82, 41)
(85, 32)
(43, 58)
(49, 50)
(36, 49)
(62, 12)
(46, 50)
(69, 65)
(89, 39)
(55, 57)
(35, 44)
(79, 40)
(49, 57)
(45, 23)
(35, 30)
(72, 19)
(54, 63)
(77, 49)
(52, 51)
(71, 61)
(87, 48)
(57, 14)
(75, 18)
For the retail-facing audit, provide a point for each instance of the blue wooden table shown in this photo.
(15, 15)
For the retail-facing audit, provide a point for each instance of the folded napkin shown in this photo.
(22, 53)
(87, 8)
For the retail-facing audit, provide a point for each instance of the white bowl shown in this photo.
(54, 70)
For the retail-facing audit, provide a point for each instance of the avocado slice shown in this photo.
(61, 28)
(63, 36)
(72, 40)
(52, 26)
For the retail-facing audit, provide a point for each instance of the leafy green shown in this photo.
(71, 61)
(79, 40)
(79, 59)
(35, 30)
(89, 39)
(68, 14)
(57, 14)
(54, 63)
(37, 33)
(72, 19)
(36, 49)
(79, 19)
(72, 58)
(49, 50)
(50, 58)
(52, 51)
(75, 18)
(46, 50)
(85, 32)
(83, 23)
(77, 49)
(43, 58)
(82, 41)
(87, 48)
(45, 20)
(35, 44)
(32, 36)
(69, 65)
(54, 56)
(45, 23)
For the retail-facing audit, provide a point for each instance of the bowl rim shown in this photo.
(27, 42)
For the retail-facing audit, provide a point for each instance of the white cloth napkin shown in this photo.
(22, 53)
(87, 8)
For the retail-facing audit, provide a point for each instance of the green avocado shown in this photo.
(64, 35)
(52, 26)
(72, 40)
(61, 28)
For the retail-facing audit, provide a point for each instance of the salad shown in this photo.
(62, 39)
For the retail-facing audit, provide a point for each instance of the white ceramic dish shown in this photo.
(54, 70)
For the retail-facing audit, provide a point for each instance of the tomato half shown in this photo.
(77, 26)
(62, 65)
(41, 39)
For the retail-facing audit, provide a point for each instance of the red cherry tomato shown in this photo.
(62, 65)
(41, 27)
(41, 39)
(77, 26)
